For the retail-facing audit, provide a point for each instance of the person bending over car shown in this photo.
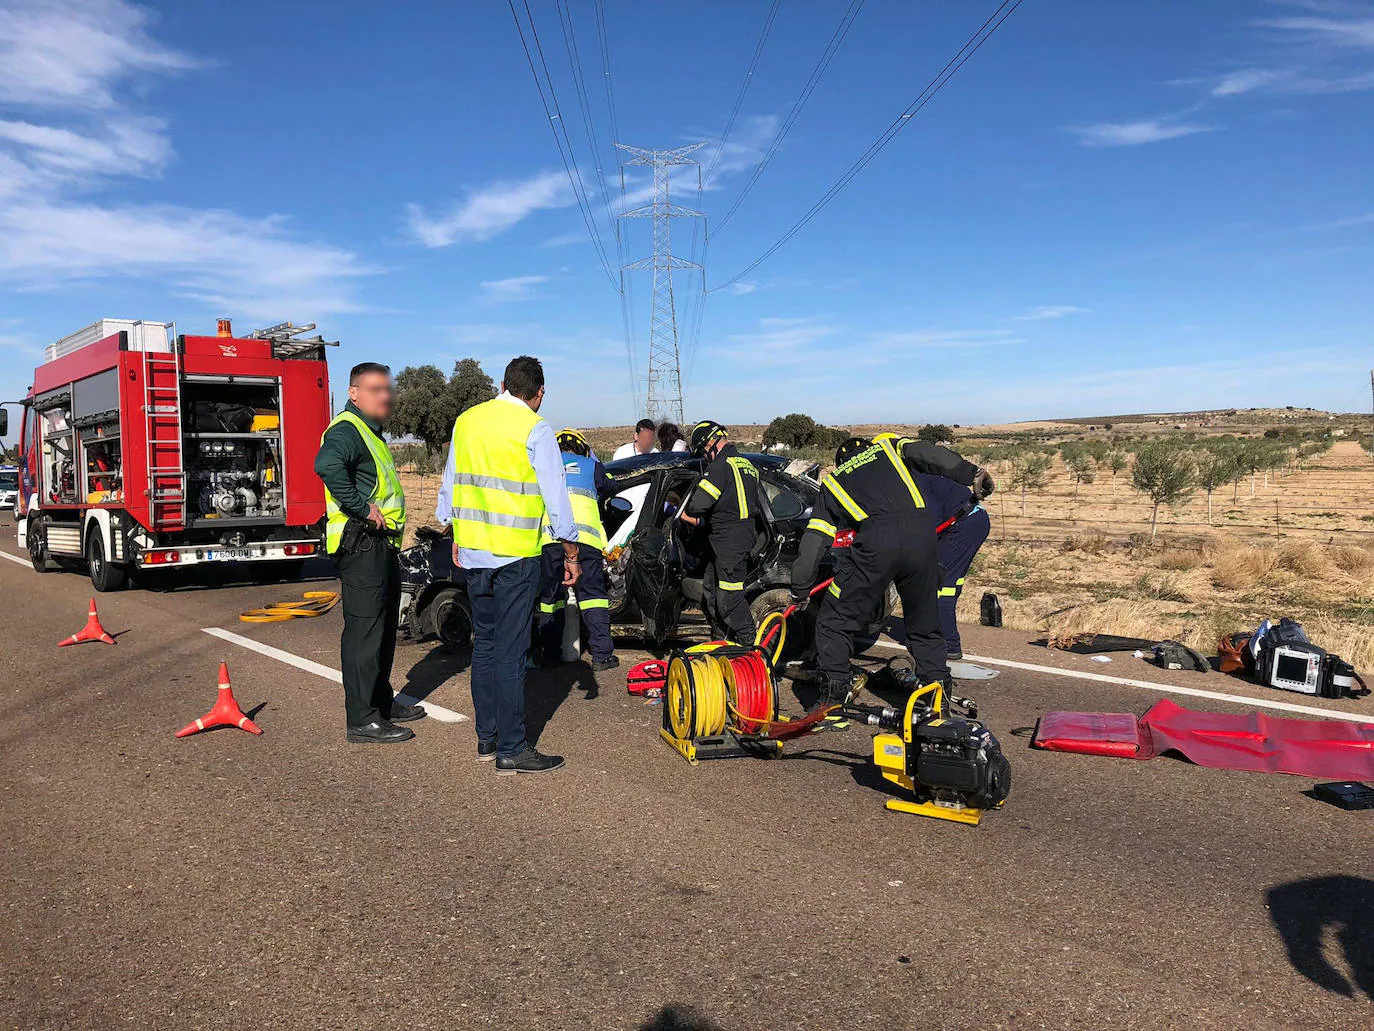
(727, 499)
(872, 490)
(587, 485)
(956, 547)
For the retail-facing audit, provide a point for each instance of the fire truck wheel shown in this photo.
(105, 575)
(38, 546)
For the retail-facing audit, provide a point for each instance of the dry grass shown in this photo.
(1238, 567)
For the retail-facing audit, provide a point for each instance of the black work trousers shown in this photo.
(593, 604)
(724, 600)
(371, 578)
(898, 550)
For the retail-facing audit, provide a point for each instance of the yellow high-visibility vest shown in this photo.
(580, 474)
(387, 495)
(497, 506)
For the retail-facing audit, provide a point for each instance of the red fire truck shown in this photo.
(146, 450)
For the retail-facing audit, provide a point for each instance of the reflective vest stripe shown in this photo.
(710, 488)
(903, 472)
(842, 496)
(735, 464)
(834, 589)
(497, 483)
(822, 526)
(387, 493)
(481, 515)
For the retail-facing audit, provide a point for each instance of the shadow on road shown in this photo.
(675, 1017)
(547, 689)
(427, 675)
(1303, 911)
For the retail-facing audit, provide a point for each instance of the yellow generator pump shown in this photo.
(951, 764)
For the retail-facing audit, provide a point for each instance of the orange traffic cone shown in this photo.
(92, 631)
(226, 712)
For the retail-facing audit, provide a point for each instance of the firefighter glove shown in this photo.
(983, 484)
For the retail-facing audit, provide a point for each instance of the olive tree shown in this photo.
(1165, 474)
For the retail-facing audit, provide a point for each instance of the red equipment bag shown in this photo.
(647, 678)
(1334, 749)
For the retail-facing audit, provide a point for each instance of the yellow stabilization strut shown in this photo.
(312, 603)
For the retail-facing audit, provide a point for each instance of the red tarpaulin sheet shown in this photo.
(1331, 749)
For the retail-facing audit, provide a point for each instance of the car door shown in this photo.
(655, 566)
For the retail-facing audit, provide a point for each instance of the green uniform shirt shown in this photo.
(346, 466)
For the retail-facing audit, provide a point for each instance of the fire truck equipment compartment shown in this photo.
(1334, 749)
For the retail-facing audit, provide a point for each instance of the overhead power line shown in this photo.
(975, 42)
(743, 88)
(813, 80)
(560, 132)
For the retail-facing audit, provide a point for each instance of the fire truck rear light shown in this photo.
(160, 558)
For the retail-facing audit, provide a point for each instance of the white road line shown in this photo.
(438, 712)
(1195, 692)
(16, 559)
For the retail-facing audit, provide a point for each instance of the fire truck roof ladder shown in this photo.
(287, 341)
(162, 417)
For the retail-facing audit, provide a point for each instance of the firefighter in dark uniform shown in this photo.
(957, 546)
(727, 498)
(588, 484)
(872, 490)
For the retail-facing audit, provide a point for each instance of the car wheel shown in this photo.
(105, 575)
(38, 546)
(801, 631)
(446, 616)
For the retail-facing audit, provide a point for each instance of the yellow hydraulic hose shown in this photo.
(312, 603)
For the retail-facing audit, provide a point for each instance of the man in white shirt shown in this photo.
(643, 444)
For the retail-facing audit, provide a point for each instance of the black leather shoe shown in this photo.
(379, 732)
(528, 761)
(406, 713)
(486, 751)
(603, 664)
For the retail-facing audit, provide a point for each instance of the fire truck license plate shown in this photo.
(228, 554)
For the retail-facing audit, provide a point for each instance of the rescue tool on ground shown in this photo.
(720, 702)
(143, 449)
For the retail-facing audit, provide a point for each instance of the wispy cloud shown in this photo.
(1133, 134)
(67, 68)
(1051, 311)
(748, 286)
(1339, 223)
(490, 210)
(512, 288)
(1326, 48)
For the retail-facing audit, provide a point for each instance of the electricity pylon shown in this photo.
(663, 390)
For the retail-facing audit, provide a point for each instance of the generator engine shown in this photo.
(951, 763)
(234, 478)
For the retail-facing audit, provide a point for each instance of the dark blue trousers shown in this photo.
(502, 602)
(592, 602)
(957, 546)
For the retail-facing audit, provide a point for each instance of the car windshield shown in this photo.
(9, 479)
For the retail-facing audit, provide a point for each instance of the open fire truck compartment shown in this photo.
(145, 449)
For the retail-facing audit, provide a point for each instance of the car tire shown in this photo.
(447, 617)
(38, 546)
(105, 575)
(801, 632)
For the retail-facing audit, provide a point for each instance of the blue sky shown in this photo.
(1112, 207)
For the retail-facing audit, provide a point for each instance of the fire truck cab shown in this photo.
(142, 449)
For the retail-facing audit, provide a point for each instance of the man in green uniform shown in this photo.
(366, 516)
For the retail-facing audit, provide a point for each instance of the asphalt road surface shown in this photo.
(295, 881)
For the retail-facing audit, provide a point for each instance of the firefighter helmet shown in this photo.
(850, 448)
(573, 442)
(703, 433)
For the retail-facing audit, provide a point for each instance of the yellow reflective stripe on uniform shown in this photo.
(959, 582)
(593, 603)
(834, 589)
(730, 585)
(948, 592)
(710, 488)
(822, 526)
(739, 486)
(903, 472)
(549, 608)
(842, 496)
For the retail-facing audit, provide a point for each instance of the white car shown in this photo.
(9, 489)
